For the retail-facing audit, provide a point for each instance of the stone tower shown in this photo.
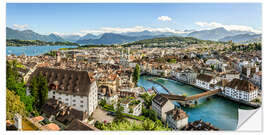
(18, 121)
(58, 57)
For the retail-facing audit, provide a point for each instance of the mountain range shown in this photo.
(242, 38)
(31, 35)
(112, 38)
(217, 34)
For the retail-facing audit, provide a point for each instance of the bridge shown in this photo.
(193, 97)
(183, 99)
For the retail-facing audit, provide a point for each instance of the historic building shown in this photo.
(176, 118)
(161, 105)
(73, 88)
(206, 81)
(241, 90)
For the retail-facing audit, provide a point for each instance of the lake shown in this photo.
(33, 50)
(221, 112)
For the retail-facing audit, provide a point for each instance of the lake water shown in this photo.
(222, 113)
(33, 50)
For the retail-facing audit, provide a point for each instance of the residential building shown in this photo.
(199, 125)
(161, 105)
(241, 90)
(73, 88)
(176, 118)
(106, 93)
(206, 81)
(131, 106)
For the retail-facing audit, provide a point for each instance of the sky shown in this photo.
(74, 18)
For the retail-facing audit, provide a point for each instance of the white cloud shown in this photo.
(164, 18)
(20, 27)
(69, 34)
(212, 25)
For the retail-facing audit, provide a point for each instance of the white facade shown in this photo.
(176, 124)
(212, 62)
(240, 94)
(161, 110)
(230, 77)
(256, 79)
(136, 110)
(81, 103)
(206, 85)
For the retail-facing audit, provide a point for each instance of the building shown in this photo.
(57, 110)
(199, 125)
(257, 78)
(187, 75)
(161, 105)
(212, 62)
(176, 118)
(221, 84)
(241, 90)
(231, 75)
(106, 93)
(205, 81)
(73, 88)
(77, 125)
(131, 106)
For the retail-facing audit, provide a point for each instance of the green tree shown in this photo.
(43, 90)
(132, 126)
(119, 114)
(13, 105)
(136, 74)
(14, 82)
(147, 99)
(39, 90)
(149, 113)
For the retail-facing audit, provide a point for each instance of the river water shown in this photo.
(221, 112)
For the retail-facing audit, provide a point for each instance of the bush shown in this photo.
(108, 107)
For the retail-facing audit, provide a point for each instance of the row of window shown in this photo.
(67, 94)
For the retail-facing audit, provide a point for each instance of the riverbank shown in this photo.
(254, 105)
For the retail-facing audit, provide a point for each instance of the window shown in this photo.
(81, 101)
(66, 99)
(53, 97)
(74, 104)
(81, 106)
(74, 100)
(54, 92)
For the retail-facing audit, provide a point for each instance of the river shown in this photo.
(33, 50)
(221, 112)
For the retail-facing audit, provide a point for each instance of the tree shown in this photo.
(149, 113)
(13, 105)
(43, 90)
(212, 67)
(147, 99)
(136, 74)
(14, 83)
(119, 114)
(39, 90)
(131, 126)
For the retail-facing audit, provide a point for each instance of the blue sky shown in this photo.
(98, 18)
